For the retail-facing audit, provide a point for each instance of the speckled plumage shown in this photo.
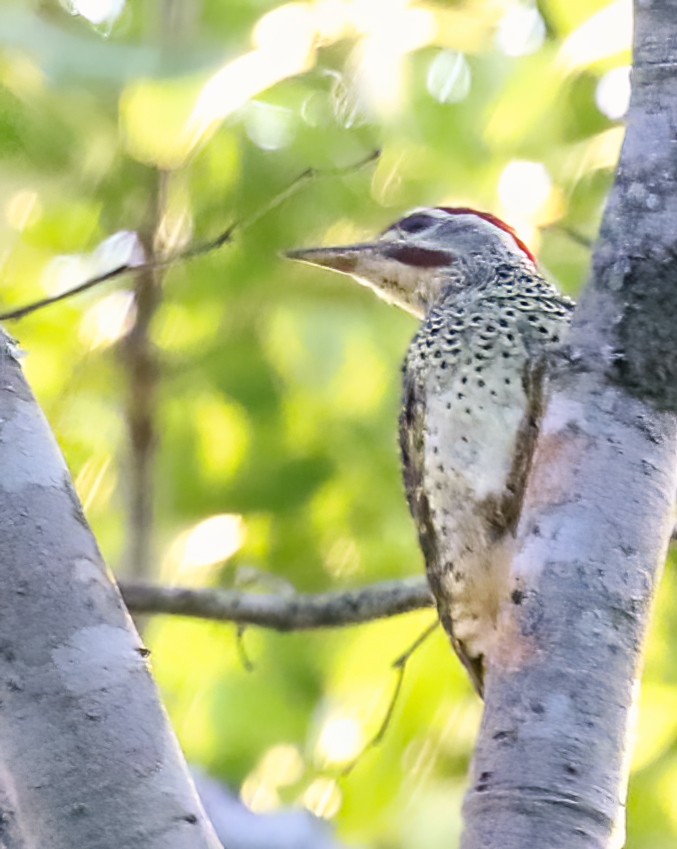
(473, 381)
(473, 386)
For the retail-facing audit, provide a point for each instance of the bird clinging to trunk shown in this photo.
(473, 387)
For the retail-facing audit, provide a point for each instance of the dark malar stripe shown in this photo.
(419, 257)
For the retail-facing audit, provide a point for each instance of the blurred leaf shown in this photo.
(154, 116)
(279, 386)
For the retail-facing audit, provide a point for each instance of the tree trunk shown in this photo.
(86, 752)
(552, 761)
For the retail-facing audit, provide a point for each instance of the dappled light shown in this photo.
(107, 320)
(206, 544)
(272, 391)
(96, 481)
(258, 795)
(613, 93)
(526, 198)
(340, 740)
(449, 77)
(22, 209)
(96, 11)
(604, 34)
(521, 30)
(323, 798)
(284, 44)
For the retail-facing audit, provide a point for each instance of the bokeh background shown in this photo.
(231, 421)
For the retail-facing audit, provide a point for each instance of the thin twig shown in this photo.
(399, 666)
(242, 653)
(193, 251)
(289, 612)
(27, 309)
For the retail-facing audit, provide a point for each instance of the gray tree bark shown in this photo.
(87, 756)
(551, 765)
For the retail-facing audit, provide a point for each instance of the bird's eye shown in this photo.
(415, 223)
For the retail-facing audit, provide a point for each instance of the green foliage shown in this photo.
(279, 386)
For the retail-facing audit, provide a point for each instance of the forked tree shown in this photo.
(88, 757)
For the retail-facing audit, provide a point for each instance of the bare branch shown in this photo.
(293, 612)
(20, 312)
(193, 251)
(399, 667)
(243, 655)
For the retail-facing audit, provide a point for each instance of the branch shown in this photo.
(294, 612)
(399, 666)
(195, 250)
(141, 367)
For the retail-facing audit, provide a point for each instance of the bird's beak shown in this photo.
(343, 259)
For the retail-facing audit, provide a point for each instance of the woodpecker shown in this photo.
(472, 398)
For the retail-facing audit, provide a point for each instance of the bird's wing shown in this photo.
(412, 421)
(503, 510)
(534, 377)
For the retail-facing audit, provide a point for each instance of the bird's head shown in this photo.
(425, 253)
